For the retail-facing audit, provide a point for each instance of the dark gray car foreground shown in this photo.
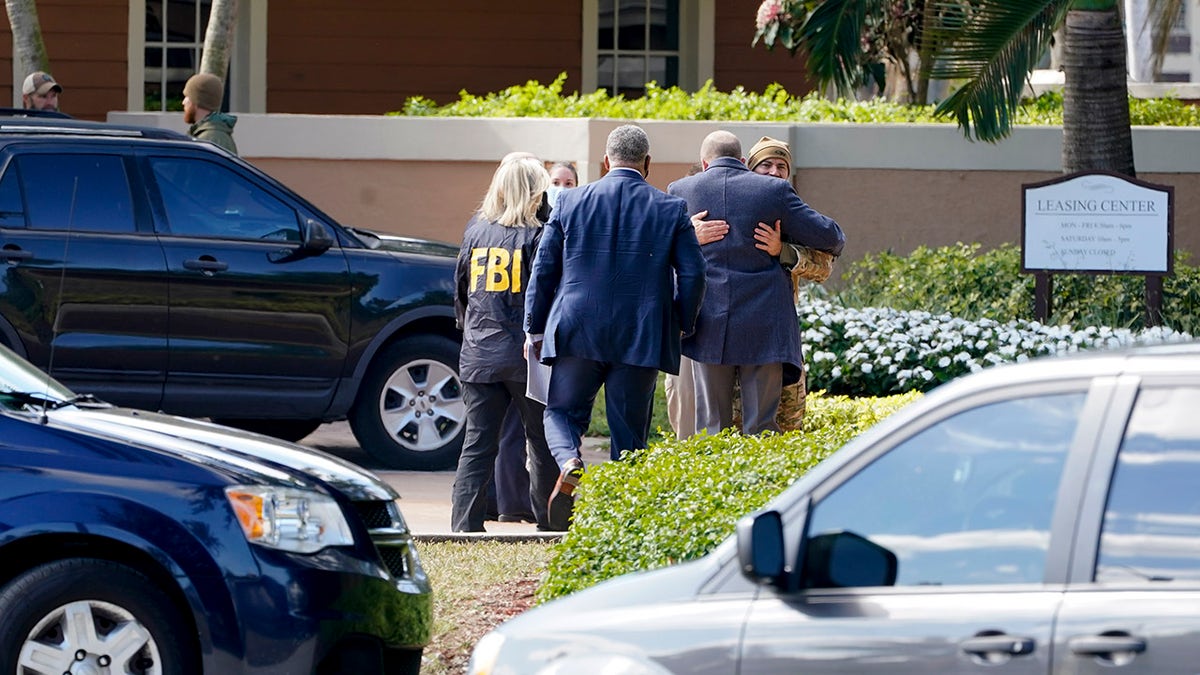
(1036, 518)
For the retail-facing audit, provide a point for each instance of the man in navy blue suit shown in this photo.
(617, 280)
(747, 331)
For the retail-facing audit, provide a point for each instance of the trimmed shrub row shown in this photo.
(678, 499)
(774, 104)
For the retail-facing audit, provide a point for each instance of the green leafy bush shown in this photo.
(774, 104)
(678, 499)
(968, 283)
(957, 280)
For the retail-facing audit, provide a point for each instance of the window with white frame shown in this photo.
(637, 41)
(174, 45)
(1180, 63)
(166, 41)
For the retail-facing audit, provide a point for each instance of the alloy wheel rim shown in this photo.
(422, 406)
(89, 637)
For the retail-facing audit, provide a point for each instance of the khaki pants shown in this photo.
(681, 403)
(681, 400)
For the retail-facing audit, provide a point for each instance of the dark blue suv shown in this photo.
(135, 542)
(159, 272)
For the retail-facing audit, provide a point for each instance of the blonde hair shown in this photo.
(516, 192)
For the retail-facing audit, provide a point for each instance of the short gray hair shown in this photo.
(627, 144)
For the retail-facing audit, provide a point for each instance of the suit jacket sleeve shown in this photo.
(805, 226)
(543, 281)
(689, 264)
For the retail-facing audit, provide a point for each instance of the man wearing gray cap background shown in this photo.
(40, 92)
(202, 96)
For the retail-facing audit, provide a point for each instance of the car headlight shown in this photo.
(483, 657)
(301, 521)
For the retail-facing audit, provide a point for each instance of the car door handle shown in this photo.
(13, 254)
(206, 264)
(1106, 646)
(989, 647)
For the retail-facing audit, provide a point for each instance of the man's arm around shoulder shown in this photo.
(804, 225)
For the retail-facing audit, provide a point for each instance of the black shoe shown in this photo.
(562, 500)
(516, 518)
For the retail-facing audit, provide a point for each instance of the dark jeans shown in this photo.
(486, 404)
(628, 400)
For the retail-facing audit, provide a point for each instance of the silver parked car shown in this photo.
(1034, 518)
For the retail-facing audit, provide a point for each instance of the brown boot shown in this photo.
(562, 500)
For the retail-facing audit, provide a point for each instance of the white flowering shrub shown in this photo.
(876, 351)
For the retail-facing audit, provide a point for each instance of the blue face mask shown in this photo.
(552, 194)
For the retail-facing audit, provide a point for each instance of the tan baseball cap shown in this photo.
(39, 83)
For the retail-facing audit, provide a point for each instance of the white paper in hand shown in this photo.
(538, 375)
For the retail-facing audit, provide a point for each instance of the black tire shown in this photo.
(287, 430)
(410, 412)
(38, 606)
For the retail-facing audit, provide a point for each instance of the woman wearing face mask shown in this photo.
(563, 176)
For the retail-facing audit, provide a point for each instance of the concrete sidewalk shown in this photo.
(425, 495)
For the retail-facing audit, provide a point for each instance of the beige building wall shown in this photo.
(890, 187)
(431, 200)
(899, 210)
(879, 209)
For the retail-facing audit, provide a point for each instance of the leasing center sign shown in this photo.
(1098, 222)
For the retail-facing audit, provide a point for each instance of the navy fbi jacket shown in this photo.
(489, 299)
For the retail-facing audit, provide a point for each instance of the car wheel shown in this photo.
(83, 615)
(287, 430)
(410, 412)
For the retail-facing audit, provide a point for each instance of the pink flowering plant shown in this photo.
(779, 21)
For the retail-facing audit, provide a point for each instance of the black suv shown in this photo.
(160, 272)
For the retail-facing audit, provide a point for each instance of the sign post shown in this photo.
(1097, 223)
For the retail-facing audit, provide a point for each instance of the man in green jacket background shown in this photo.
(202, 95)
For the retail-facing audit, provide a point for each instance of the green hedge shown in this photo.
(678, 499)
(774, 104)
(969, 283)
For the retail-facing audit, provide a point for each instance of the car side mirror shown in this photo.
(846, 560)
(315, 236)
(760, 548)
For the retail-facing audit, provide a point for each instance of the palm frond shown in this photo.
(993, 45)
(833, 35)
(1164, 13)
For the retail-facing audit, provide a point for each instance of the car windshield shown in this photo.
(21, 384)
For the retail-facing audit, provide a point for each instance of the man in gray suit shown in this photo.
(747, 331)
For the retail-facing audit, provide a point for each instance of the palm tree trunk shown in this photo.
(1096, 133)
(218, 39)
(925, 54)
(30, 50)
